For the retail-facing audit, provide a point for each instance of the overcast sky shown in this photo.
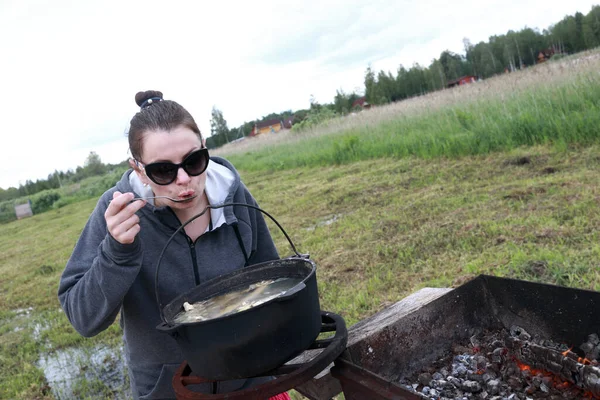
(69, 70)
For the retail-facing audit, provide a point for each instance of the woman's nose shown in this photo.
(182, 176)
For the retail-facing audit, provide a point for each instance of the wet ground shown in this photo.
(98, 372)
(77, 372)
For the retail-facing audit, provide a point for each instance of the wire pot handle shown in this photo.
(158, 302)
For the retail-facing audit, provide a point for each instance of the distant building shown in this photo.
(24, 210)
(462, 81)
(544, 55)
(288, 122)
(361, 102)
(272, 126)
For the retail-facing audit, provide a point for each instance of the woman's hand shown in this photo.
(122, 222)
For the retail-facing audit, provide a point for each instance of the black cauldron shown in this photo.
(254, 341)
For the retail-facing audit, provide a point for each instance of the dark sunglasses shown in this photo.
(164, 173)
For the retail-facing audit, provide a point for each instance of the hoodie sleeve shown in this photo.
(97, 276)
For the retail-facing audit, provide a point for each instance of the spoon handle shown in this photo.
(162, 197)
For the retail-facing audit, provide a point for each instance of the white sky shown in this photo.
(69, 69)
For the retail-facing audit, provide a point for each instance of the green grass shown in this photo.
(557, 110)
(378, 231)
(505, 185)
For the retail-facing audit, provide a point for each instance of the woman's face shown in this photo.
(173, 146)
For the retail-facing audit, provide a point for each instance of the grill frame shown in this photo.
(400, 347)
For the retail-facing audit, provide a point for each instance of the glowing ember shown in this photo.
(504, 365)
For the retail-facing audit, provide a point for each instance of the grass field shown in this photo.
(553, 103)
(381, 221)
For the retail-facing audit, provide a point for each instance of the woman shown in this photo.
(112, 268)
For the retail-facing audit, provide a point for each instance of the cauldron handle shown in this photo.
(160, 308)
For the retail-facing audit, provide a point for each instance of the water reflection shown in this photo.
(96, 373)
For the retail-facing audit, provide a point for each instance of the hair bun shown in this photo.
(141, 98)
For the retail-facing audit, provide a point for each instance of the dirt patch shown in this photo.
(518, 161)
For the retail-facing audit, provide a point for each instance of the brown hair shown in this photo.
(156, 113)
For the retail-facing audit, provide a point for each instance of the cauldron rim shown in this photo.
(168, 322)
(209, 207)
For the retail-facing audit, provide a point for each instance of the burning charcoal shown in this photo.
(454, 381)
(493, 386)
(425, 379)
(514, 383)
(471, 386)
(536, 381)
(519, 333)
(592, 347)
(481, 362)
(442, 384)
(475, 377)
(511, 370)
(592, 381)
(462, 359)
(530, 389)
(554, 367)
(478, 363)
(461, 370)
(519, 368)
(488, 376)
(498, 355)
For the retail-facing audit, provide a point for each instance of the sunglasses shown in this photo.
(164, 173)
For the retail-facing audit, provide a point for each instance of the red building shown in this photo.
(462, 81)
(361, 102)
(544, 55)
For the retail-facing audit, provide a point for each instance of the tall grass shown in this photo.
(554, 103)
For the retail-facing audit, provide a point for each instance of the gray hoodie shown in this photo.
(104, 277)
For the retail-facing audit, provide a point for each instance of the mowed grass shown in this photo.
(378, 231)
(497, 178)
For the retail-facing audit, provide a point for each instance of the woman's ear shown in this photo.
(133, 164)
(140, 173)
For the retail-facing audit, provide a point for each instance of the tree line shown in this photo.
(93, 166)
(501, 53)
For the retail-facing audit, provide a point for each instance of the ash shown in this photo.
(487, 369)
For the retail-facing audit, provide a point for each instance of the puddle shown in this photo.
(38, 328)
(97, 372)
(21, 318)
(76, 373)
(23, 311)
(330, 220)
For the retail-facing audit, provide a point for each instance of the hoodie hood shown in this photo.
(222, 180)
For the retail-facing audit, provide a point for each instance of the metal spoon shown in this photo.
(164, 197)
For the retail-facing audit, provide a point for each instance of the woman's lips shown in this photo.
(186, 194)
